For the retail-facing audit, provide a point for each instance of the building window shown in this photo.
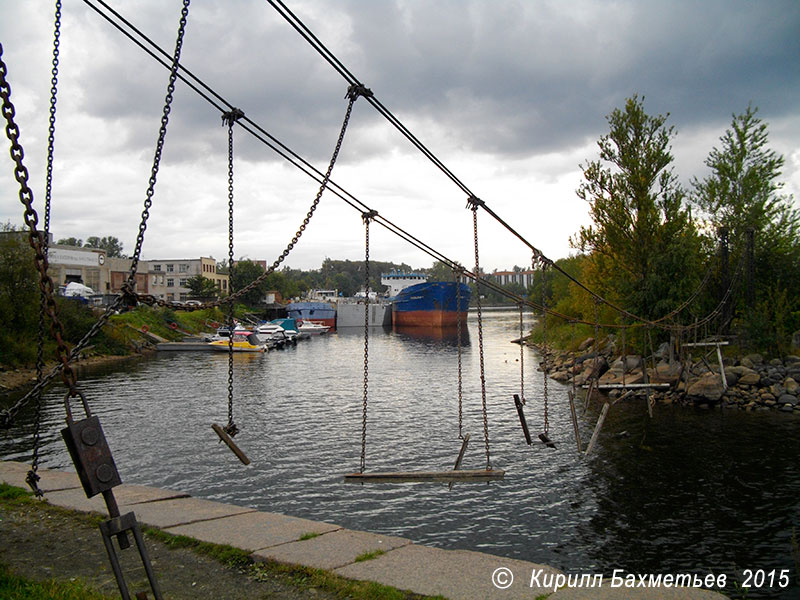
(170, 268)
(170, 282)
(156, 267)
(155, 279)
(182, 282)
(183, 268)
(184, 297)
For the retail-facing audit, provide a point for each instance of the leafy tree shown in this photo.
(201, 287)
(244, 272)
(70, 241)
(110, 244)
(643, 246)
(743, 192)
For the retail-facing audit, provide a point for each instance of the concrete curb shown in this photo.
(392, 561)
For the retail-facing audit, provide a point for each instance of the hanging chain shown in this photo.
(366, 217)
(545, 363)
(352, 94)
(595, 361)
(457, 273)
(35, 239)
(32, 477)
(230, 118)
(624, 354)
(572, 345)
(521, 358)
(128, 288)
(473, 204)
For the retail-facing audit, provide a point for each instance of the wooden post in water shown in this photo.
(574, 420)
(597, 428)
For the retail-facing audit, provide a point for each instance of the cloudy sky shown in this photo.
(511, 95)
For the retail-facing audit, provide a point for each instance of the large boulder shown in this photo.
(708, 387)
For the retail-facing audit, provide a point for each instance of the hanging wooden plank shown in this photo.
(223, 435)
(523, 422)
(457, 466)
(411, 476)
(597, 428)
(574, 420)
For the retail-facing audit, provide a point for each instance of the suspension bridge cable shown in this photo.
(331, 58)
(216, 100)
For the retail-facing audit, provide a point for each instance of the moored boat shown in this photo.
(243, 341)
(431, 304)
(319, 312)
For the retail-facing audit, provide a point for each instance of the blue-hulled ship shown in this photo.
(431, 304)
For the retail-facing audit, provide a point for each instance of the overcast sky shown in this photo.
(512, 96)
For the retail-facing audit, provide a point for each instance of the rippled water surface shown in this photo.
(688, 491)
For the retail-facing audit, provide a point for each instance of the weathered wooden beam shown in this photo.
(223, 435)
(457, 466)
(574, 420)
(597, 428)
(410, 476)
(523, 422)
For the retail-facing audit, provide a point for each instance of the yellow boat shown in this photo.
(245, 341)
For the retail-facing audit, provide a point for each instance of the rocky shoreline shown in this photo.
(751, 382)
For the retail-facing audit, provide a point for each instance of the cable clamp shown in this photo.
(356, 90)
(473, 202)
(368, 216)
(230, 117)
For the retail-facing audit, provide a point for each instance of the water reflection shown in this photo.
(688, 490)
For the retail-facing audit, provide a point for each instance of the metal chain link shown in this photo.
(35, 237)
(32, 477)
(545, 363)
(152, 300)
(473, 204)
(458, 326)
(521, 359)
(230, 119)
(366, 217)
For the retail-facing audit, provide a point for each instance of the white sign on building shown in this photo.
(61, 256)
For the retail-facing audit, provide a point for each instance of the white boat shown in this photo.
(312, 328)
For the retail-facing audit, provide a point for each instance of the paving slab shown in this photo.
(182, 511)
(455, 574)
(331, 550)
(14, 473)
(253, 530)
(127, 495)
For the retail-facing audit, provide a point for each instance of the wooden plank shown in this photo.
(457, 466)
(523, 422)
(230, 443)
(597, 428)
(574, 420)
(399, 476)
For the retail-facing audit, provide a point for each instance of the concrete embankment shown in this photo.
(392, 561)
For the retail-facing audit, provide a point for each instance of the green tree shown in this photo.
(743, 192)
(70, 241)
(110, 244)
(643, 246)
(201, 287)
(245, 272)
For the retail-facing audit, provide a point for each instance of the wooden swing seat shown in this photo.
(410, 476)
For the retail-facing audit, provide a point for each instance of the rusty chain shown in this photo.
(457, 273)
(473, 204)
(352, 95)
(367, 217)
(230, 118)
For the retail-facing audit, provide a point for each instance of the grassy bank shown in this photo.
(36, 535)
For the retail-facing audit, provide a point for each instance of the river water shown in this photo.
(688, 491)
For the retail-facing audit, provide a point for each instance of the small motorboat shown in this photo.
(312, 328)
(243, 341)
